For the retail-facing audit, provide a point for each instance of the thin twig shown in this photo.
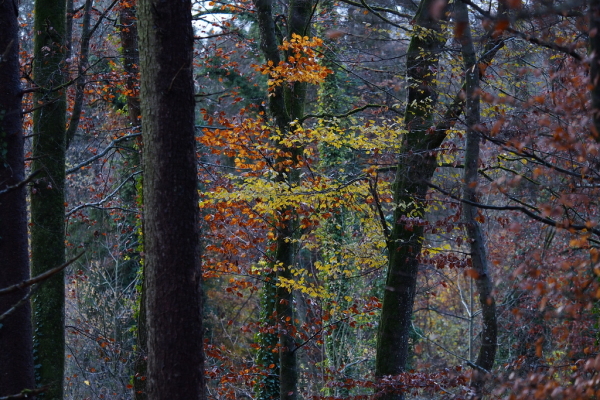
(111, 146)
(105, 199)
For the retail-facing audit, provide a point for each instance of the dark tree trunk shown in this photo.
(131, 59)
(47, 193)
(417, 165)
(16, 353)
(172, 270)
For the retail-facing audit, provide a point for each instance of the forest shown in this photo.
(299, 199)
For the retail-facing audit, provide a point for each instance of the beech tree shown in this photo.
(286, 105)
(172, 272)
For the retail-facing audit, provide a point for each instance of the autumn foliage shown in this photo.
(325, 185)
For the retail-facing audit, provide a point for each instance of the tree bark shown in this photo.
(268, 339)
(16, 345)
(483, 279)
(172, 271)
(416, 166)
(271, 388)
(47, 193)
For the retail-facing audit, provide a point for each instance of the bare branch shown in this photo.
(20, 184)
(25, 394)
(362, 4)
(105, 199)
(565, 224)
(39, 278)
(111, 146)
(548, 45)
(346, 114)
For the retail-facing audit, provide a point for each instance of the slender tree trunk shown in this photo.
(172, 271)
(336, 345)
(47, 193)
(84, 50)
(286, 104)
(483, 279)
(129, 43)
(16, 346)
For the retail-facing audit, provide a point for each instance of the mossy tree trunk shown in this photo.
(171, 244)
(47, 193)
(286, 104)
(334, 231)
(269, 387)
(268, 339)
(418, 161)
(16, 353)
(128, 33)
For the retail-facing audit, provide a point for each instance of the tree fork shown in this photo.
(410, 187)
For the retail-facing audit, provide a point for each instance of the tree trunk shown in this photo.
(417, 165)
(131, 58)
(271, 388)
(84, 51)
(172, 271)
(267, 338)
(286, 104)
(128, 33)
(16, 353)
(47, 193)
(483, 279)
